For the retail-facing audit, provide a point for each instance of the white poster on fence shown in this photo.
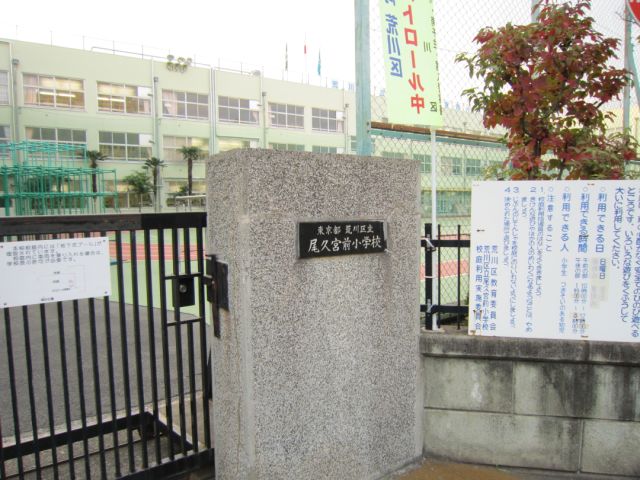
(555, 259)
(43, 271)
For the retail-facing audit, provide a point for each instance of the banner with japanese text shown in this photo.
(410, 62)
(555, 259)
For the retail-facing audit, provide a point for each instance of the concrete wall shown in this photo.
(544, 404)
(316, 372)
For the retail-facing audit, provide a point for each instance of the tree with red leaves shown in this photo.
(546, 83)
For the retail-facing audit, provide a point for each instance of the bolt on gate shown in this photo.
(450, 272)
(112, 387)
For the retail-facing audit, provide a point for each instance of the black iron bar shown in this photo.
(65, 388)
(125, 352)
(192, 386)
(47, 374)
(428, 280)
(178, 339)
(439, 272)
(138, 344)
(32, 402)
(190, 347)
(14, 394)
(203, 339)
(100, 223)
(29, 446)
(3, 473)
(459, 317)
(165, 339)
(96, 379)
(184, 322)
(83, 407)
(112, 387)
(96, 385)
(152, 336)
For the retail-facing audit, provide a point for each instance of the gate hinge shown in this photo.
(215, 279)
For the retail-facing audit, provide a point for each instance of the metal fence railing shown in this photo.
(115, 386)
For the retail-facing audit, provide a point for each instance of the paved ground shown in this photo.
(444, 470)
(63, 336)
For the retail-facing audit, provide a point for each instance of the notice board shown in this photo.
(43, 271)
(555, 259)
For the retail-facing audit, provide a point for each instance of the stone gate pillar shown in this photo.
(316, 371)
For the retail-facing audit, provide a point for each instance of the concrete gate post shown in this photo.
(316, 371)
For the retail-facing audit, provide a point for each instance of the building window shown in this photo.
(392, 154)
(178, 187)
(425, 162)
(5, 134)
(193, 106)
(286, 116)
(4, 88)
(450, 166)
(289, 147)
(64, 136)
(57, 135)
(226, 144)
(125, 146)
(238, 110)
(473, 168)
(320, 149)
(5, 138)
(114, 97)
(326, 120)
(57, 92)
(172, 145)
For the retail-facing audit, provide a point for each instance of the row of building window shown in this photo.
(137, 146)
(68, 93)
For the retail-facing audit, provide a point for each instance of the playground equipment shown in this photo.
(44, 178)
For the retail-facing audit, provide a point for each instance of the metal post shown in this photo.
(634, 71)
(434, 216)
(364, 145)
(626, 109)
(535, 8)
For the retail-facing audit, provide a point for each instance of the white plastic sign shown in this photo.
(555, 259)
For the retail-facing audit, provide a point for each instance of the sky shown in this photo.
(254, 34)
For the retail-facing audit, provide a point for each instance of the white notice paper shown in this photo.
(44, 271)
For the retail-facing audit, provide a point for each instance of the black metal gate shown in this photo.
(112, 387)
(449, 312)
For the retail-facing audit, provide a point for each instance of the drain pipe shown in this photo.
(13, 82)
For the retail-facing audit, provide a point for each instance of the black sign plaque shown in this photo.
(331, 239)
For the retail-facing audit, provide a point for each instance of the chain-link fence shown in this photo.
(464, 148)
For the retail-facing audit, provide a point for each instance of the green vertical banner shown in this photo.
(410, 62)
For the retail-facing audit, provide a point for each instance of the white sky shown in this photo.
(250, 31)
(252, 34)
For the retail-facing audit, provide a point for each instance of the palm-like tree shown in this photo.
(190, 154)
(95, 156)
(138, 183)
(154, 165)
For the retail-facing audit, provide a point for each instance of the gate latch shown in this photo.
(215, 279)
(425, 242)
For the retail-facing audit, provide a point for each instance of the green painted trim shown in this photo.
(364, 145)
